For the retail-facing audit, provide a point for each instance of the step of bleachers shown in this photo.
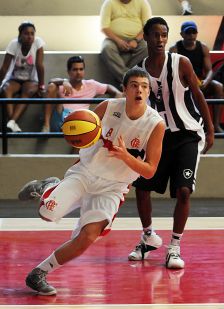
(92, 7)
(82, 33)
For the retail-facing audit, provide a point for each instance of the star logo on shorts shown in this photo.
(187, 173)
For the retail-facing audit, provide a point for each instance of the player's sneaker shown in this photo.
(36, 280)
(35, 188)
(186, 8)
(149, 242)
(173, 259)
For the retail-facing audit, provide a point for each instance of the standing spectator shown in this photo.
(174, 93)
(198, 53)
(22, 71)
(186, 7)
(73, 87)
(122, 22)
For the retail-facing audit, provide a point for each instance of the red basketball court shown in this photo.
(103, 277)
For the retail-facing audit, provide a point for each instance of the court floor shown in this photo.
(103, 278)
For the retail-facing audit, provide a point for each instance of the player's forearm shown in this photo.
(143, 168)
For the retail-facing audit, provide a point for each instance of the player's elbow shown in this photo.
(149, 173)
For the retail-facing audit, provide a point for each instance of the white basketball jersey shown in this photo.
(135, 134)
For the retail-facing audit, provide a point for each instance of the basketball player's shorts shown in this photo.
(178, 164)
(98, 199)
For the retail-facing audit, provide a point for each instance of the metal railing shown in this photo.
(5, 135)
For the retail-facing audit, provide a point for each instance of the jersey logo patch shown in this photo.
(187, 173)
(135, 142)
(117, 114)
(50, 205)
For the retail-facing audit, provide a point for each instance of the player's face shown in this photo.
(157, 38)
(137, 90)
(77, 72)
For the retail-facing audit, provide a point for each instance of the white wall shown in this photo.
(82, 33)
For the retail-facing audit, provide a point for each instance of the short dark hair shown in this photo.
(74, 59)
(136, 72)
(24, 25)
(152, 21)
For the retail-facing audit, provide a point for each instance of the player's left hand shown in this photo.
(120, 151)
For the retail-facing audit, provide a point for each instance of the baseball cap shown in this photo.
(188, 25)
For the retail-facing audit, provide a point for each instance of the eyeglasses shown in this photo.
(191, 31)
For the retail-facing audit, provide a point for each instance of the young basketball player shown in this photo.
(174, 90)
(131, 146)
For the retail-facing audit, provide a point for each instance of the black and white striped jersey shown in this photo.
(172, 100)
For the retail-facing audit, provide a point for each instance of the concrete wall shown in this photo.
(82, 33)
(92, 7)
(17, 170)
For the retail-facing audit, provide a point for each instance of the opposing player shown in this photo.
(131, 146)
(176, 96)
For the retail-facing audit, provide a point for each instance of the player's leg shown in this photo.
(97, 212)
(149, 239)
(182, 184)
(73, 248)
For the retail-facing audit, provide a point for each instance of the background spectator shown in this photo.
(73, 87)
(22, 71)
(198, 53)
(122, 22)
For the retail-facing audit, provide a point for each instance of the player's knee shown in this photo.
(93, 230)
(183, 194)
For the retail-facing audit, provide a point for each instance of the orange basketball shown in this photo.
(82, 128)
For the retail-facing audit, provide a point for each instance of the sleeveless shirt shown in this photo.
(135, 133)
(195, 56)
(172, 100)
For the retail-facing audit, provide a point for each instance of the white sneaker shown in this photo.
(13, 126)
(173, 259)
(149, 242)
(186, 8)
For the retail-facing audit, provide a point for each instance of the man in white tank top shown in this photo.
(174, 93)
(130, 146)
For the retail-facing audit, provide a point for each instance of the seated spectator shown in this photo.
(186, 7)
(122, 22)
(22, 71)
(198, 53)
(73, 87)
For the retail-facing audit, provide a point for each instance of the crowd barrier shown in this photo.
(5, 135)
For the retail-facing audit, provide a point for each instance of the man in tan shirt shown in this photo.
(122, 22)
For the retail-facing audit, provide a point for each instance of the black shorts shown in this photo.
(178, 163)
